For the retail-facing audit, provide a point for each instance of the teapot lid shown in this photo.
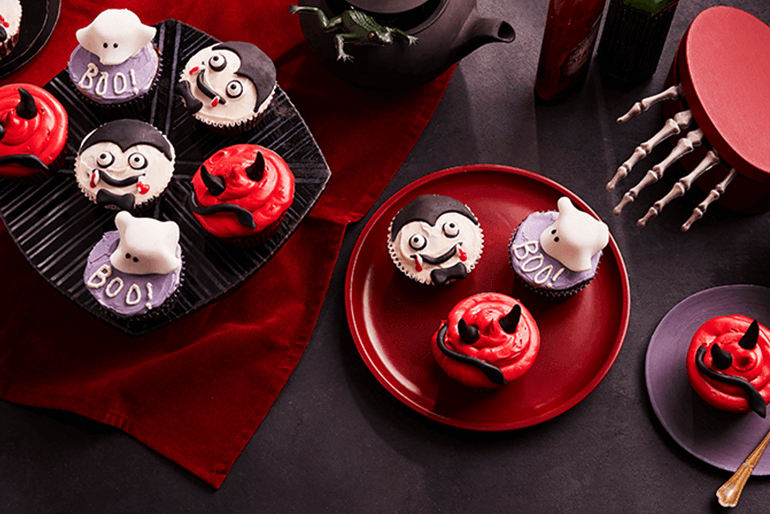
(386, 6)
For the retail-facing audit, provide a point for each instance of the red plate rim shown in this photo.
(360, 335)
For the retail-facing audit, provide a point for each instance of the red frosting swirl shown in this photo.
(512, 353)
(266, 199)
(44, 135)
(752, 364)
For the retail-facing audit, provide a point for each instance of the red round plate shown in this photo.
(392, 318)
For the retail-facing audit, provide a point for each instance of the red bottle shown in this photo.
(568, 44)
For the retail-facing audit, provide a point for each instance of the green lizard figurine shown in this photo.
(358, 29)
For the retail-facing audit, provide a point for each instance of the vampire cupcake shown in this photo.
(435, 240)
(241, 194)
(728, 364)
(116, 66)
(555, 254)
(125, 165)
(136, 270)
(228, 86)
(487, 340)
(33, 133)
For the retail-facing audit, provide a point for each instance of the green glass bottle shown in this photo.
(632, 39)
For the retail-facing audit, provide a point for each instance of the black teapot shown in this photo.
(395, 44)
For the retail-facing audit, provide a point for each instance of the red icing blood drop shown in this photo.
(461, 254)
(215, 101)
(143, 188)
(417, 264)
(94, 179)
(195, 69)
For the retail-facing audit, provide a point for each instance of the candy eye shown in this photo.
(451, 229)
(418, 242)
(137, 161)
(105, 159)
(217, 62)
(234, 88)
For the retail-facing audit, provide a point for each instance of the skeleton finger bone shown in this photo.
(713, 196)
(639, 107)
(683, 185)
(684, 146)
(673, 126)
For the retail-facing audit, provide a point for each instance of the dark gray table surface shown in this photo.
(336, 441)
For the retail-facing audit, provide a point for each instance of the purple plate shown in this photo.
(719, 438)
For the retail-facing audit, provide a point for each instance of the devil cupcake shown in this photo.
(137, 269)
(488, 340)
(728, 364)
(228, 86)
(435, 240)
(124, 164)
(33, 133)
(116, 65)
(241, 194)
(10, 25)
(556, 253)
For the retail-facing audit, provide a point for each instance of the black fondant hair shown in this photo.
(428, 208)
(127, 133)
(255, 66)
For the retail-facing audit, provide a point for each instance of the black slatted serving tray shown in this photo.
(55, 225)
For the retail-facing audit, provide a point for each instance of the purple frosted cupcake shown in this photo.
(555, 254)
(116, 65)
(137, 269)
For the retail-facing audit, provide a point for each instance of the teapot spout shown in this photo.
(479, 31)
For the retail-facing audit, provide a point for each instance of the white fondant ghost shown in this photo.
(574, 237)
(115, 35)
(146, 245)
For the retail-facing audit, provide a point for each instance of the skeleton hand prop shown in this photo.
(684, 146)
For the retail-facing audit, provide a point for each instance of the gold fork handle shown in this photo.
(730, 492)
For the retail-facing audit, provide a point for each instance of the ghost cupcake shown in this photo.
(116, 65)
(136, 270)
(228, 86)
(555, 254)
(487, 340)
(124, 165)
(435, 240)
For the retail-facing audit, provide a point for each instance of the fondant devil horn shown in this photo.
(468, 333)
(721, 358)
(511, 320)
(215, 185)
(257, 170)
(26, 108)
(750, 338)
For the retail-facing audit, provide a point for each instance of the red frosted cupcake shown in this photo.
(728, 364)
(241, 194)
(33, 125)
(487, 340)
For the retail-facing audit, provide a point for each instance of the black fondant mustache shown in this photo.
(493, 373)
(756, 402)
(26, 160)
(108, 179)
(245, 218)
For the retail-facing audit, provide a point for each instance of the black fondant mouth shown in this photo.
(493, 373)
(245, 218)
(441, 258)
(109, 179)
(756, 402)
(207, 90)
(124, 202)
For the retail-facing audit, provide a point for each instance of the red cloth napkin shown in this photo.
(196, 391)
